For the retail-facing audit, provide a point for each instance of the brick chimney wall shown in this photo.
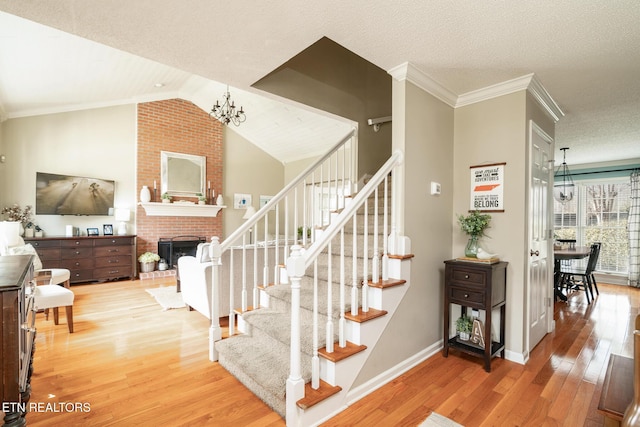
(179, 126)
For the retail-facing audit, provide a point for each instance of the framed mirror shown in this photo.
(182, 174)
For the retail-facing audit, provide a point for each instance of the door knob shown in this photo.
(532, 253)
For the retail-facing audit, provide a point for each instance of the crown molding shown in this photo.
(528, 82)
(408, 71)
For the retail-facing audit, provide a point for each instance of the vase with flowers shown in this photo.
(17, 214)
(474, 226)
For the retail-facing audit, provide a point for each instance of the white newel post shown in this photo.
(215, 333)
(295, 383)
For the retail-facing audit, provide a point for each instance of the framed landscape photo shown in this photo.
(107, 230)
(92, 232)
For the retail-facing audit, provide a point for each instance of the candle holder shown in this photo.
(155, 195)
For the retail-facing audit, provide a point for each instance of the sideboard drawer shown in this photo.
(81, 276)
(80, 252)
(114, 272)
(117, 260)
(77, 264)
(115, 241)
(44, 243)
(48, 254)
(112, 250)
(75, 243)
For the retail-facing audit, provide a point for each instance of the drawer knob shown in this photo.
(466, 276)
(466, 295)
(77, 243)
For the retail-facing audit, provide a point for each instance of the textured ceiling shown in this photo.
(584, 53)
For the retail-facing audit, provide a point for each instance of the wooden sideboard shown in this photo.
(89, 258)
(16, 337)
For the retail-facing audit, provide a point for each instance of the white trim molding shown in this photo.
(529, 82)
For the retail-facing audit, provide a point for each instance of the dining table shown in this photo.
(565, 253)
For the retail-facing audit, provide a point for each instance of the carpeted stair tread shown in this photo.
(277, 325)
(262, 365)
(283, 293)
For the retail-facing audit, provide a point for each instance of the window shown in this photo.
(598, 213)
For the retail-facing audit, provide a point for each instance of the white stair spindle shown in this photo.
(265, 272)
(315, 362)
(244, 273)
(215, 332)
(365, 260)
(232, 317)
(354, 269)
(329, 337)
(295, 383)
(342, 341)
(375, 262)
(385, 230)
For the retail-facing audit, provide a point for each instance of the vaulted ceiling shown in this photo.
(584, 53)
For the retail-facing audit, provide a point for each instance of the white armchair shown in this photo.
(195, 280)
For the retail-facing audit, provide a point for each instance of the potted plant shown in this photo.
(464, 326)
(17, 214)
(166, 198)
(148, 262)
(473, 225)
(202, 200)
(28, 229)
(39, 231)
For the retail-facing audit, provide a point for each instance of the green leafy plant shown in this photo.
(166, 196)
(475, 223)
(201, 197)
(464, 324)
(149, 257)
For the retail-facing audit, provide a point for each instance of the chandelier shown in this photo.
(227, 112)
(563, 186)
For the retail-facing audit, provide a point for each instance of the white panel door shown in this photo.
(540, 255)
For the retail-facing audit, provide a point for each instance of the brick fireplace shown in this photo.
(178, 126)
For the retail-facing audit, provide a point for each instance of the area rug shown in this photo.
(167, 297)
(437, 420)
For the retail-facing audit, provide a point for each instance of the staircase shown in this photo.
(311, 330)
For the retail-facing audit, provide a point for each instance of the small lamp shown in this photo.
(248, 214)
(124, 216)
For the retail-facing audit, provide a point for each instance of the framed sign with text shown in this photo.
(487, 188)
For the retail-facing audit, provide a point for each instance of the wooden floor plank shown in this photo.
(138, 365)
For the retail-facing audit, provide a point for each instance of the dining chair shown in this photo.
(587, 279)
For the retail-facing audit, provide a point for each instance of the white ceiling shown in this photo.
(585, 53)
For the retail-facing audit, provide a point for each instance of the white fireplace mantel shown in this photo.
(180, 209)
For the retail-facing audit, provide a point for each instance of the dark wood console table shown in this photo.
(481, 286)
(16, 337)
(89, 258)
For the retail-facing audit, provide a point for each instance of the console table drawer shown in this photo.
(468, 277)
(80, 252)
(466, 297)
(77, 264)
(112, 250)
(121, 260)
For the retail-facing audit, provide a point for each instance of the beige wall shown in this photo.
(425, 132)
(96, 143)
(247, 170)
(496, 131)
(331, 78)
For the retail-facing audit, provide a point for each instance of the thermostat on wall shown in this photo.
(435, 188)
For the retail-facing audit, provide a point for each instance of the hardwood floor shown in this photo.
(130, 363)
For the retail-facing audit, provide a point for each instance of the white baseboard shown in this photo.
(375, 383)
